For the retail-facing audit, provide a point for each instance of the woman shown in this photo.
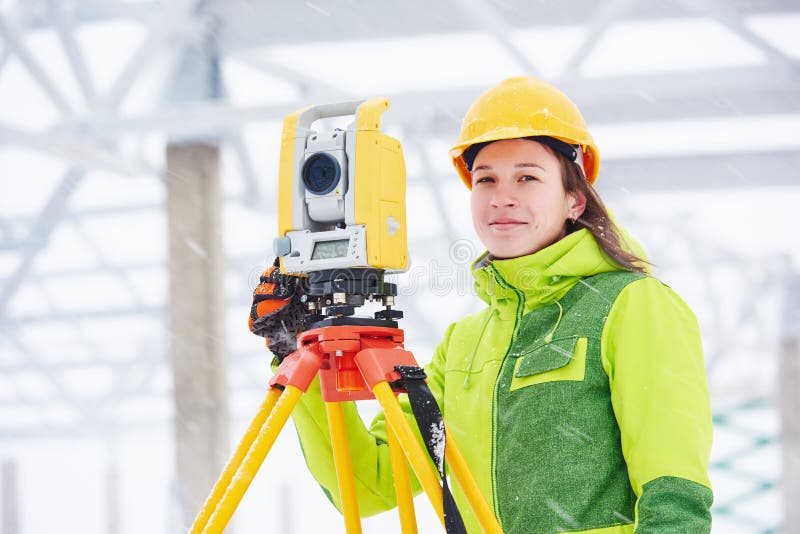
(578, 395)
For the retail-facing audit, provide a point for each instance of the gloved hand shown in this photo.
(277, 312)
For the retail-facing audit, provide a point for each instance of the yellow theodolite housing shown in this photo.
(341, 193)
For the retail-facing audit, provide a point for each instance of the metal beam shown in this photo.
(40, 233)
(101, 417)
(308, 84)
(88, 315)
(5, 230)
(265, 23)
(89, 271)
(198, 73)
(4, 55)
(65, 25)
(59, 366)
(485, 15)
(731, 19)
(31, 16)
(120, 273)
(62, 394)
(172, 17)
(74, 148)
(436, 191)
(632, 98)
(604, 15)
(17, 434)
(150, 357)
(13, 242)
(693, 173)
(276, 24)
(124, 388)
(14, 42)
(99, 420)
(252, 195)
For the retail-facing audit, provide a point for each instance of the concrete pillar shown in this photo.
(789, 377)
(196, 320)
(10, 509)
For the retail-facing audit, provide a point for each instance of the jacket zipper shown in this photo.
(518, 316)
(467, 378)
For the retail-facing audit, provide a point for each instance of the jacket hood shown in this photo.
(546, 275)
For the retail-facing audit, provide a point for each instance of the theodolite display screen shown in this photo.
(324, 250)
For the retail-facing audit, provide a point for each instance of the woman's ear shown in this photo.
(576, 203)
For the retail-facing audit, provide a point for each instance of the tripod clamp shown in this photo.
(336, 293)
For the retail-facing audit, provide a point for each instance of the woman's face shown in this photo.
(519, 205)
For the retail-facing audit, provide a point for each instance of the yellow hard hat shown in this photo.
(524, 107)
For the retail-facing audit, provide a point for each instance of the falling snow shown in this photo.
(86, 383)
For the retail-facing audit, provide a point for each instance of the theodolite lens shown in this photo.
(321, 173)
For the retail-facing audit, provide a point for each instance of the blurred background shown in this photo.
(139, 147)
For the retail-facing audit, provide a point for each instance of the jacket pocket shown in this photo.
(561, 359)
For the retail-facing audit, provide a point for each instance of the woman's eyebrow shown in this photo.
(517, 166)
(522, 165)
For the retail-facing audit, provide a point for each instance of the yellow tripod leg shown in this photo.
(235, 461)
(344, 467)
(411, 447)
(461, 472)
(402, 484)
(255, 457)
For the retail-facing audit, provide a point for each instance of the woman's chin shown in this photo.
(508, 253)
(514, 250)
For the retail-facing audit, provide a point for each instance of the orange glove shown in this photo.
(277, 312)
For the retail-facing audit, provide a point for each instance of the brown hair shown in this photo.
(595, 218)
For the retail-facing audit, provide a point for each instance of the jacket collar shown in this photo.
(541, 277)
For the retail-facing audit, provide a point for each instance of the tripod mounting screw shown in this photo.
(389, 314)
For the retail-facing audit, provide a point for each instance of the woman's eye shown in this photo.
(528, 178)
(484, 180)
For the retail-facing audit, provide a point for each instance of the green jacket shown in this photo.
(578, 397)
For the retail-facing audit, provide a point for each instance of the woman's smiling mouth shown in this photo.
(503, 224)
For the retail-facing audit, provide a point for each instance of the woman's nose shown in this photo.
(504, 196)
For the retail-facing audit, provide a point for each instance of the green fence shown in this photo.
(745, 468)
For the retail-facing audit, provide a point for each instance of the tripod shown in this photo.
(355, 359)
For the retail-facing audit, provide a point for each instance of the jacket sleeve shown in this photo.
(369, 449)
(652, 353)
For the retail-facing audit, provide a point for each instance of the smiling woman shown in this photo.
(578, 394)
(556, 191)
(519, 204)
